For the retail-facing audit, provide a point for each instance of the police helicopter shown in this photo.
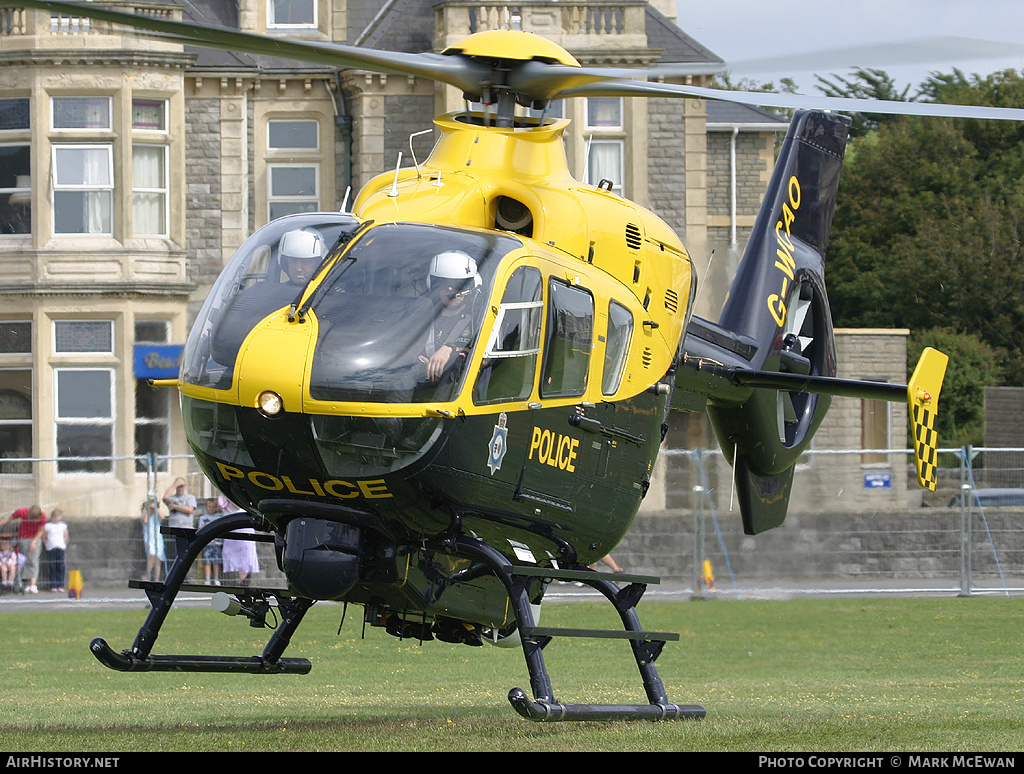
(439, 402)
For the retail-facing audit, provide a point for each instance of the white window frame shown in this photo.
(71, 421)
(6, 469)
(23, 192)
(99, 188)
(315, 148)
(104, 128)
(78, 321)
(165, 421)
(285, 199)
(595, 178)
(163, 114)
(617, 127)
(163, 192)
(273, 24)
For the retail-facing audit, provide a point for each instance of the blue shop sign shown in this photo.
(157, 361)
(878, 480)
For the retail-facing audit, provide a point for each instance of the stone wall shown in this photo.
(918, 543)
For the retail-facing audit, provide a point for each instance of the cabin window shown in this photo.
(569, 339)
(620, 330)
(510, 360)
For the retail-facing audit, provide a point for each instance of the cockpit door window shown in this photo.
(510, 358)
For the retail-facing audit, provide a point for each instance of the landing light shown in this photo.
(269, 403)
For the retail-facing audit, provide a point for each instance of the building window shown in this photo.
(149, 115)
(14, 114)
(292, 188)
(569, 340)
(83, 189)
(291, 13)
(15, 337)
(606, 147)
(15, 419)
(149, 190)
(604, 162)
(15, 189)
(293, 135)
(604, 113)
(152, 404)
(88, 113)
(84, 401)
(875, 431)
(88, 337)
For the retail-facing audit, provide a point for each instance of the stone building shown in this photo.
(131, 169)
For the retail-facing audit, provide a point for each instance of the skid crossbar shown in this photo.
(646, 646)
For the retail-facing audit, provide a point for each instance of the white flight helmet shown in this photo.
(453, 265)
(302, 243)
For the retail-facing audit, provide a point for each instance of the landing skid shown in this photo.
(253, 603)
(647, 646)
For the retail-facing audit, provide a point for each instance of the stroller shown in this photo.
(12, 580)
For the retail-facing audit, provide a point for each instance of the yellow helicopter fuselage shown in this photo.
(543, 448)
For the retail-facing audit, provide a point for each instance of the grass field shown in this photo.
(877, 675)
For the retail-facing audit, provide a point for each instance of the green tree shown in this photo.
(929, 226)
(864, 83)
(973, 366)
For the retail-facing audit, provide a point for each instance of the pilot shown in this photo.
(300, 252)
(452, 279)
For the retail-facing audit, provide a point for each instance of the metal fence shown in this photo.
(857, 522)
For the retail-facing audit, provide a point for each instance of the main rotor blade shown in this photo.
(624, 88)
(457, 71)
(543, 80)
(940, 49)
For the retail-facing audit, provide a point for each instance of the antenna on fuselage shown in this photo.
(344, 202)
(394, 184)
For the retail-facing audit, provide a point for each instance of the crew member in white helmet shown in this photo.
(300, 252)
(452, 278)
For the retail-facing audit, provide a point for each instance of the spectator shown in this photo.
(611, 564)
(150, 516)
(181, 506)
(56, 537)
(212, 550)
(8, 565)
(30, 531)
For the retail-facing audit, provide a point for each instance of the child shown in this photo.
(56, 543)
(153, 539)
(212, 551)
(8, 565)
